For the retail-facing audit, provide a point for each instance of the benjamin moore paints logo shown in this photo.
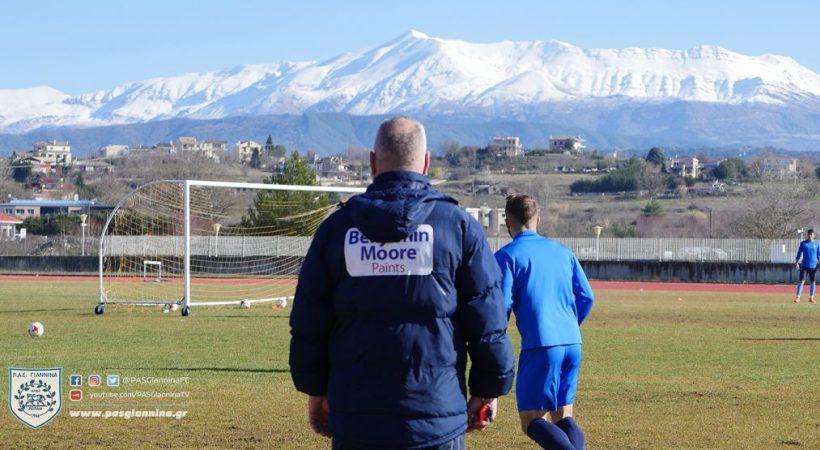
(35, 395)
(412, 255)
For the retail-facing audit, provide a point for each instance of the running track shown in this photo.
(603, 285)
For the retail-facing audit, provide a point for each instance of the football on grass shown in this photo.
(36, 329)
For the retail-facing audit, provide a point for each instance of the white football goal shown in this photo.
(195, 243)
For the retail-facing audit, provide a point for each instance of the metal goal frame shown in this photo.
(186, 301)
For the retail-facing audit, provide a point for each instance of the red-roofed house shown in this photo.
(8, 226)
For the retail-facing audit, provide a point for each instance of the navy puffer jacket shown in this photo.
(398, 286)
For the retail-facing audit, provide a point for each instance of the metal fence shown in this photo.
(604, 249)
(675, 249)
(34, 245)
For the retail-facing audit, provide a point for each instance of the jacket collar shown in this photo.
(399, 179)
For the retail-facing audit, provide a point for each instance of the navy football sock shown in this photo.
(573, 431)
(548, 436)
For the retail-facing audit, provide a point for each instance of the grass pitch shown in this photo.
(713, 370)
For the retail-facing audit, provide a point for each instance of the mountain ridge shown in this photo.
(429, 76)
(604, 124)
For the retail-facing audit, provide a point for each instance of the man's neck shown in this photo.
(522, 230)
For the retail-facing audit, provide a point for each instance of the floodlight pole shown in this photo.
(186, 202)
(83, 224)
(217, 226)
(597, 229)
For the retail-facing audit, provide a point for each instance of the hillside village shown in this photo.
(49, 184)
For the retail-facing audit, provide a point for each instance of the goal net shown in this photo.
(196, 243)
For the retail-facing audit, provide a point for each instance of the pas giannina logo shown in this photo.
(35, 395)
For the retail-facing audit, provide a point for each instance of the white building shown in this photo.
(213, 149)
(490, 218)
(57, 153)
(775, 166)
(244, 150)
(688, 166)
(96, 166)
(37, 165)
(572, 144)
(331, 167)
(505, 146)
(8, 226)
(113, 151)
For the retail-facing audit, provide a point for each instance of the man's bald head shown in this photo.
(401, 144)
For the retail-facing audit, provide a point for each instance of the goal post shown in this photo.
(213, 242)
(151, 263)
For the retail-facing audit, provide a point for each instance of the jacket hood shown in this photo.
(394, 205)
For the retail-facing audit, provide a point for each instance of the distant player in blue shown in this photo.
(806, 263)
(545, 286)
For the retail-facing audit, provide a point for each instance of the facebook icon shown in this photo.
(75, 380)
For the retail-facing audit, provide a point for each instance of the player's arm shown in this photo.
(584, 298)
(505, 263)
(311, 320)
(800, 255)
(481, 317)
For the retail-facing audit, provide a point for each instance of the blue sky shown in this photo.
(78, 46)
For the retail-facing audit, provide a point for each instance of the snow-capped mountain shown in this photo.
(415, 73)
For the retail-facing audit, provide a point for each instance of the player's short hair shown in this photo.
(810, 231)
(400, 141)
(521, 208)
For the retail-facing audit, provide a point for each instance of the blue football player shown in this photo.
(806, 263)
(546, 288)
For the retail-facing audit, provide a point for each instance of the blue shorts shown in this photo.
(547, 377)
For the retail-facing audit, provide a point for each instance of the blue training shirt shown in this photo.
(544, 284)
(808, 251)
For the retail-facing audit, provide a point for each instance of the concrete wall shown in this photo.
(704, 272)
(696, 272)
(49, 264)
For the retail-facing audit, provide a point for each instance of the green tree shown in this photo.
(255, 160)
(652, 208)
(271, 206)
(656, 157)
(630, 177)
(20, 171)
(274, 150)
(451, 152)
(85, 190)
(279, 151)
(731, 169)
(52, 225)
(673, 182)
(623, 230)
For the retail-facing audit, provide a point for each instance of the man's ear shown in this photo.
(426, 163)
(538, 220)
(373, 164)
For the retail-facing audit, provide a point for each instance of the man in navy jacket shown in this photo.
(398, 287)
